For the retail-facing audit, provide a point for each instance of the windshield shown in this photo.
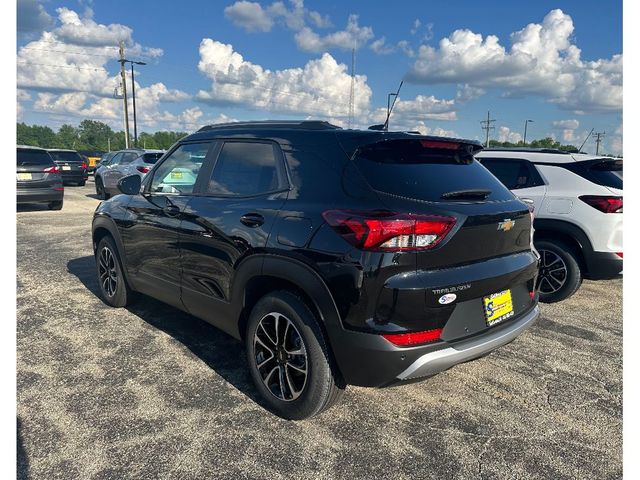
(417, 169)
(66, 156)
(33, 157)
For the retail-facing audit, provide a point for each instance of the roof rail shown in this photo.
(274, 124)
(526, 149)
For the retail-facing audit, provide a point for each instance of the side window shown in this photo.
(128, 157)
(116, 159)
(179, 171)
(514, 174)
(246, 168)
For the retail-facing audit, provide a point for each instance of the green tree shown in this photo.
(94, 134)
(165, 139)
(67, 137)
(146, 140)
(35, 135)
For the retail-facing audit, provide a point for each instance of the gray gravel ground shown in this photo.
(150, 392)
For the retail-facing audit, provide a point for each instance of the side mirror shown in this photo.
(130, 185)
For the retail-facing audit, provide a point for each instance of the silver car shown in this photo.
(123, 163)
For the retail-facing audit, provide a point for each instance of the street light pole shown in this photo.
(133, 93)
(526, 122)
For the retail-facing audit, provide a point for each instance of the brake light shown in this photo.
(440, 144)
(619, 254)
(413, 338)
(388, 231)
(603, 203)
(53, 169)
(83, 166)
(532, 294)
(143, 169)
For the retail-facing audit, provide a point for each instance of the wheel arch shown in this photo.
(105, 226)
(572, 235)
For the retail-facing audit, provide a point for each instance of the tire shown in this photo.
(114, 289)
(82, 183)
(297, 396)
(100, 191)
(557, 285)
(57, 205)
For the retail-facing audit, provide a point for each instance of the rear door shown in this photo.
(31, 166)
(231, 218)
(123, 168)
(520, 176)
(107, 172)
(151, 238)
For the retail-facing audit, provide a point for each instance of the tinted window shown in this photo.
(116, 159)
(245, 168)
(513, 173)
(179, 171)
(407, 168)
(151, 157)
(129, 157)
(607, 173)
(33, 157)
(66, 156)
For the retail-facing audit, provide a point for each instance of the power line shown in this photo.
(69, 52)
(353, 85)
(95, 69)
(487, 125)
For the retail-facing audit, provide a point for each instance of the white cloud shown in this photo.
(506, 135)
(416, 26)
(320, 88)
(319, 20)
(542, 60)
(249, 15)
(352, 36)
(380, 46)
(421, 108)
(466, 93)
(570, 124)
(406, 48)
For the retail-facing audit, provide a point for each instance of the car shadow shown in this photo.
(221, 352)
(22, 462)
(93, 195)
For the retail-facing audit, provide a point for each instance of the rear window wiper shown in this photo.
(466, 194)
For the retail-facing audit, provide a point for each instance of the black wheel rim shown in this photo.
(107, 272)
(280, 356)
(553, 272)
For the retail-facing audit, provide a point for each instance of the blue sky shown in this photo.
(557, 63)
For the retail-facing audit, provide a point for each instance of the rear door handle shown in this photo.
(252, 219)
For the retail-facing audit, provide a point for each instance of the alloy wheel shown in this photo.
(107, 272)
(553, 272)
(280, 356)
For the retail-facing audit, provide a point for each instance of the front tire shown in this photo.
(113, 286)
(559, 276)
(289, 358)
(100, 191)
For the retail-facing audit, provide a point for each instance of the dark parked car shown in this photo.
(338, 256)
(38, 178)
(73, 167)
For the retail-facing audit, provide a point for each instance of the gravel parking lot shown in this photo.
(151, 392)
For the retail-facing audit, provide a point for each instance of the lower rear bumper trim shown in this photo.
(440, 360)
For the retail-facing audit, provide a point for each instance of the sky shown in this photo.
(557, 63)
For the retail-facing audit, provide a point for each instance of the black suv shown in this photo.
(338, 256)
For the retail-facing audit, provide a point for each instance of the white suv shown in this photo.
(577, 201)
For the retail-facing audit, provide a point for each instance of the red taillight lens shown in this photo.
(83, 166)
(388, 231)
(531, 295)
(413, 338)
(143, 169)
(603, 203)
(619, 254)
(53, 169)
(439, 144)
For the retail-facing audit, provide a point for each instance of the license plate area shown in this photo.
(24, 176)
(66, 167)
(498, 307)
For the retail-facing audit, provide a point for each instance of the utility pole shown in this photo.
(109, 143)
(598, 136)
(353, 86)
(133, 93)
(124, 91)
(487, 125)
(526, 122)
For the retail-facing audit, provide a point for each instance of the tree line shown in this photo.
(546, 142)
(90, 135)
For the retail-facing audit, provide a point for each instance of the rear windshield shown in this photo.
(410, 169)
(33, 157)
(607, 173)
(66, 156)
(151, 157)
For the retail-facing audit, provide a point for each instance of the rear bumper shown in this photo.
(74, 176)
(602, 265)
(34, 195)
(434, 362)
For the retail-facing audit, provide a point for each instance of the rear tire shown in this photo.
(291, 366)
(100, 191)
(559, 276)
(113, 285)
(57, 205)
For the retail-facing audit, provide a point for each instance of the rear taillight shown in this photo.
(413, 338)
(603, 203)
(388, 231)
(54, 169)
(619, 254)
(83, 166)
(143, 169)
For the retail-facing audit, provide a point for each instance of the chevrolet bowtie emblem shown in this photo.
(506, 225)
